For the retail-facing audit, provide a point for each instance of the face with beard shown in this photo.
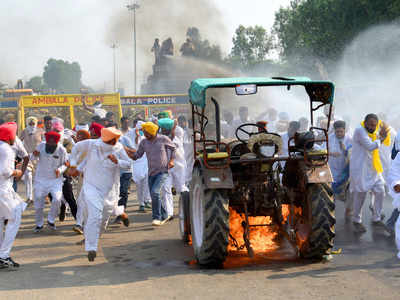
(370, 125)
(51, 146)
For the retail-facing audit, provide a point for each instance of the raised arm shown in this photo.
(365, 141)
(85, 106)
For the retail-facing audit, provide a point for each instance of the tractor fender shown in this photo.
(319, 174)
(215, 178)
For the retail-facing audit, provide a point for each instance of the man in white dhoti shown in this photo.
(101, 177)
(394, 190)
(366, 168)
(11, 205)
(51, 157)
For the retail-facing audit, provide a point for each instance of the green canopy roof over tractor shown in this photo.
(319, 91)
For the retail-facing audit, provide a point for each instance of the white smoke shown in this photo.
(368, 75)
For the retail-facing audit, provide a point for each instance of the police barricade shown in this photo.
(67, 107)
(145, 106)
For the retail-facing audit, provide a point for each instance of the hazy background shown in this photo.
(83, 30)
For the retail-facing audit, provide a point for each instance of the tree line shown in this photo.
(308, 34)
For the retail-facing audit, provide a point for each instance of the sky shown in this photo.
(80, 30)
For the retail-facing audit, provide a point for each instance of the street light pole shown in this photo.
(133, 7)
(114, 46)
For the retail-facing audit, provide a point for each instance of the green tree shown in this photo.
(251, 46)
(323, 28)
(63, 76)
(36, 84)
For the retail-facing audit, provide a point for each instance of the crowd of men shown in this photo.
(89, 169)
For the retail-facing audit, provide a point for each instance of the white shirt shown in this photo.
(19, 148)
(363, 176)
(49, 163)
(337, 164)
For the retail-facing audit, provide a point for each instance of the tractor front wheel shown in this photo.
(209, 217)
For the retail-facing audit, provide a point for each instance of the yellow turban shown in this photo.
(110, 133)
(150, 128)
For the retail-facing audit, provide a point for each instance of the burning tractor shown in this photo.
(247, 183)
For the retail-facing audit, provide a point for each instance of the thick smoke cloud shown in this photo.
(160, 19)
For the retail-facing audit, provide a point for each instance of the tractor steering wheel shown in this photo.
(249, 133)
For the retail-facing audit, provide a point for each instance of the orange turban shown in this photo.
(84, 133)
(8, 131)
(110, 133)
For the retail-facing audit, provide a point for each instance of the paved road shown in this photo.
(142, 262)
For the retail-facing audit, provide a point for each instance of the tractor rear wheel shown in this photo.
(209, 218)
(321, 238)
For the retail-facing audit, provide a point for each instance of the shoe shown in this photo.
(379, 224)
(371, 208)
(156, 223)
(359, 227)
(52, 226)
(61, 216)
(117, 220)
(29, 202)
(5, 222)
(8, 263)
(38, 229)
(167, 219)
(91, 255)
(141, 208)
(147, 205)
(78, 229)
(125, 219)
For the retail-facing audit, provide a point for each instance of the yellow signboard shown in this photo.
(67, 107)
(67, 100)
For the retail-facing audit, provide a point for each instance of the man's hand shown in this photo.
(130, 153)
(383, 131)
(171, 164)
(57, 173)
(17, 174)
(36, 153)
(113, 158)
(397, 188)
(73, 172)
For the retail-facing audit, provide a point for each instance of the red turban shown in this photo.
(8, 131)
(96, 127)
(52, 135)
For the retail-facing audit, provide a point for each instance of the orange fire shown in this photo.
(262, 238)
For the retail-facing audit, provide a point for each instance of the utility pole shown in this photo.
(114, 47)
(133, 7)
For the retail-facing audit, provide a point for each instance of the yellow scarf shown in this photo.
(376, 159)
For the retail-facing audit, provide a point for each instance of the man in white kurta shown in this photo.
(51, 157)
(394, 190)
(176, 175)
(31, 136)
(366, 169)
(339, 147)
(100, 189)
(11, 205)
(140, 169)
